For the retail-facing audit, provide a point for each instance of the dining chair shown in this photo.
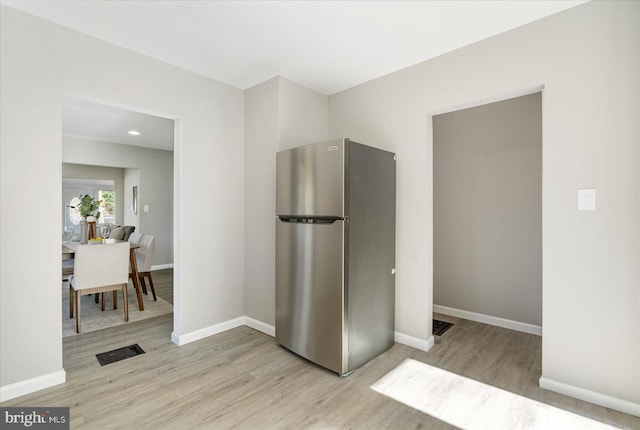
(120, 232)
(135, 238)
(144, 255)
(99, 268)
(67, 269)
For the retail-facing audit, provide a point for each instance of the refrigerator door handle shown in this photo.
(310, 220)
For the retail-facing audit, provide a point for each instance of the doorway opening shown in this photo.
(487, 213)
(132, 175)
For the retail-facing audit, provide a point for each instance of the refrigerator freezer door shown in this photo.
(310, 180)
(309, 291)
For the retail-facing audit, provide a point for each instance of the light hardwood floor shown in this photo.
(241, 379)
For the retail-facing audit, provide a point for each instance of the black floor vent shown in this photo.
(439, 327)
(119, 354)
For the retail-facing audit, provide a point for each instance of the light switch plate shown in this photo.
(587, 199)
(145, 208)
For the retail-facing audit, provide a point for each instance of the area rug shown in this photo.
(92, 318)
(472, 405)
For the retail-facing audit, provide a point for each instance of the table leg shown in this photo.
(136, 277)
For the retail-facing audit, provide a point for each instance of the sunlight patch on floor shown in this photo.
(472, 405)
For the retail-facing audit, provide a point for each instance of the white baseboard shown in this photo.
(488, 319)
(591, 396)
(414, 342)
(162, 266)
(193, 336)
(260, 326)
(27, 386)
(223, 326)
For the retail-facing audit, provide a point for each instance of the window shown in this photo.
(102, 189)
(107, 206)
(74, 214)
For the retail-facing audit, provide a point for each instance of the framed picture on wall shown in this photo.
(134, 206)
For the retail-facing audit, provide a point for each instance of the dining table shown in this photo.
(68, 253)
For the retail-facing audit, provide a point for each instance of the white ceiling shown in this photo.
(327, 46)
(94, 121)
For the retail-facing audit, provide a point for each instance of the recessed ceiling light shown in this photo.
(134, 132)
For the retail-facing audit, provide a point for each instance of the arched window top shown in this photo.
(74, 214)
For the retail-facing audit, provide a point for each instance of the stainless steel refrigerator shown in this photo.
(335, 252)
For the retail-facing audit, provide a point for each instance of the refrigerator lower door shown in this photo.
(310, 290)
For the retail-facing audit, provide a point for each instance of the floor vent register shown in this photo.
(439, 327)
(119, 354)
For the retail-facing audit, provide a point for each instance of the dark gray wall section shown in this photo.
(487, 204)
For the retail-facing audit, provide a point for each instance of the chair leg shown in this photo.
(153, 290)
(125, 299)
(97, 297)
(77, 297)
(102, 300)
(142, 284)
(71, 299)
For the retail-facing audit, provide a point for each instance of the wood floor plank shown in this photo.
(241, 379)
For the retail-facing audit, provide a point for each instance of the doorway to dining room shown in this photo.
(109, 149)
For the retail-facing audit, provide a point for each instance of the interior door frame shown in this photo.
(466, 105)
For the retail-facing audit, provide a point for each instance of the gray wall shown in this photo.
(155, 187)
(41, 63)
(83, 171)
(261, 144)
(588, 60)
(279, 114)
(487, 209)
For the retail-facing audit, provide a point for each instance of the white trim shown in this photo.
(162, 266)
(414, 342)
(485, 101)
(591, 396)
(260, 326)
(195, 335)
(488, 319)
(27, 386)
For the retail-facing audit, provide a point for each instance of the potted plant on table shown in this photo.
(89, 209)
